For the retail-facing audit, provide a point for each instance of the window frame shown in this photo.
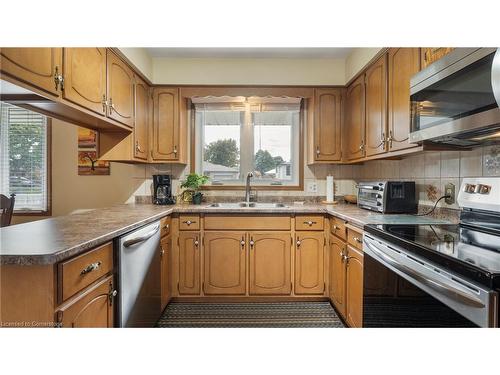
(48, 211)
(304, 111)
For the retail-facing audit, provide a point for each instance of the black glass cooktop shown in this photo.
(469, 251)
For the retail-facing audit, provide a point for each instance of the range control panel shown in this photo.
(481, 193)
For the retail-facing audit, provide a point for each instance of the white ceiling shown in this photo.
(239, 52)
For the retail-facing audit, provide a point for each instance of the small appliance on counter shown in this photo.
(162, 189)
(388, 197)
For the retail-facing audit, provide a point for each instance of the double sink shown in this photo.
(247, 205)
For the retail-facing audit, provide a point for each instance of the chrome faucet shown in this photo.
(247, 188)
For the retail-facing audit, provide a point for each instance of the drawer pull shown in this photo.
(166, 226)
(242, 242)
(91, 267)
(336, 227)
(252, 242)
(298, 243)
(189, 222)
(357, 239)
(310, 223)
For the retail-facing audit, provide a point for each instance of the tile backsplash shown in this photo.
(431, 170)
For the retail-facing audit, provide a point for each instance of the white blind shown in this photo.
(23, 157)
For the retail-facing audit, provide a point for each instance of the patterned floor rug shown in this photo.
(250, 315)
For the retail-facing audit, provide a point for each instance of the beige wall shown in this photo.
(141, 59)
(357, 60)
(72, 192)
(242, 71)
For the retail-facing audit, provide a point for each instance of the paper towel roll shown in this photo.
(330, 189)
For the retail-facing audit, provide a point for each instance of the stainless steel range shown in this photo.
(437, 275)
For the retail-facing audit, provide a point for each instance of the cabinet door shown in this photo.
(430, 55)
(354, 300)
(141, 142)
(354, 125)
(376, 107)
(166, 253)
(337, 272)
(120, 90)
(309, 263)
(403, 63)
(165, 140)
(189, 263)
(327, 124)
(270, 265)
(225, 263)
(93, 309)
(38, 67)
(85, 78)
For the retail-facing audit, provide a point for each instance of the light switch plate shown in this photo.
(312, 187)
(449, 189)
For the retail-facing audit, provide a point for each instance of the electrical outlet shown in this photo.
(449, 189)
(312, 187)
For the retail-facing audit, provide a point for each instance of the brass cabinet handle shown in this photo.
(390, 138)
(189, 222)
(336, 227)
(357, 239)
(242, 242)
(166, 226)
(138, 147)
(162, 251)
(251, 242)
(111, 294)
(310, 223)
(175, 150)
(58, 79)
(343, 256)
(318, 152)
(111, 105)
(383, 140)
(298, 242)
(91, 267)
(104, 103)
(196, 242)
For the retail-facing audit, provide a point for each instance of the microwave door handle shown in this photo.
(495, 76)
(136, 240)
(445, 289)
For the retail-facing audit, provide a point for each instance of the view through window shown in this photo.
(23, 157)
(241, 135)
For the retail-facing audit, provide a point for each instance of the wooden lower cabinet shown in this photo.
(270, 265)
(166, 254)
(224, 263)
(189, 263)
(92, 309)
(337, 268)
(354, 281)
(309, 262)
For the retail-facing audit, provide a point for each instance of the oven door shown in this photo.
(401, 290)
(453, 100)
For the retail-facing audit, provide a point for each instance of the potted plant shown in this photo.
(192, 185)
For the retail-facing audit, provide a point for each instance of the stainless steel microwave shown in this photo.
(456, 100)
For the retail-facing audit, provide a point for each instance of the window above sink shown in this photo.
(235, 135)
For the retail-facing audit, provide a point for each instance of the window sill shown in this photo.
(32, 213)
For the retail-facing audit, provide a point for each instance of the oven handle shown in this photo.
(448, 290)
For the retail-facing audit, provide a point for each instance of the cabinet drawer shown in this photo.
(189, 222)
(165, 225)
(309, 222)
(78, 273)
(355, 238)
(338, 228)
(247, 222)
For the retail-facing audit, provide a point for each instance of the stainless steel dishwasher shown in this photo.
(139, 277)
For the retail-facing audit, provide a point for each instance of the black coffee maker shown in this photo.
(162, 189)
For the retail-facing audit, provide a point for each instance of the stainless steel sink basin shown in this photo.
(249, 205)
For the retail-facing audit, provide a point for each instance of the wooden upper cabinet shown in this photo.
(432, 54)
(225, 263)
(189, 263)
(270, 265)
(337, 273)
(93, 309)
(85, 78)
(142, 116)
(403, 64)
(309, 263)
(38, 67)
(376, 107)
(120, 90)
(327, 124)
(354, 295)
(166, 126)
(354, 125)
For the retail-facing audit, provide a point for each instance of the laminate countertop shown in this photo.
(52, 240)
